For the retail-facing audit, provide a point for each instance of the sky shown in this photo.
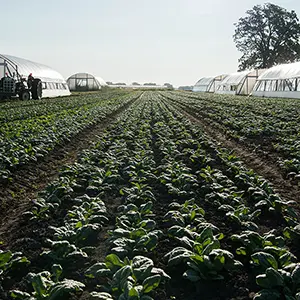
(161, 41)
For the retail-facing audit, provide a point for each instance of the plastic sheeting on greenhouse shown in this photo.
(203, 84)
(53, 83)
(101, 81)
(239, 83)
(282, 81)
(85, 82)
(207, 84)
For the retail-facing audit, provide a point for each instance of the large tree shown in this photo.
(267, 36)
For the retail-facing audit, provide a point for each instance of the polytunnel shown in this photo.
(208, 84)
(239, 83)
(101, 81)
(282, 81)
(85, 82)
(53, 83)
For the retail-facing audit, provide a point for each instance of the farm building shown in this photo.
(239, 83)
(207, 84)
(281, 81)
(53, 83)
(85, 82)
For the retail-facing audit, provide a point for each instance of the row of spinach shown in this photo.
(154, 161)
(30, 138)
(271, 125)
(102, 172)
(244, 198)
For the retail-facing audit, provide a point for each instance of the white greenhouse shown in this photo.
(282, 81)
(53, 84)
(239, 83)
(208, 84)
(85, 82)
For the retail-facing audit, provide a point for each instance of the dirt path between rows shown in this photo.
(264, 166)
(15, 197)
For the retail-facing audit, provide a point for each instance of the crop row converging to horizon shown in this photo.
(155, 208)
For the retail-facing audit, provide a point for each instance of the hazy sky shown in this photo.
(175, 41)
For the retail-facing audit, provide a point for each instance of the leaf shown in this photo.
(136, 233)
(220, 236)
(270, 280)
(92, 271)
(5, 257)
(113, 262)
(100, 296)
(161, 272)
(264, 260)
(65, 287)
(215, 244)
(267, 295)
(192, 275)
(20, 295)
(241, 251)
(286, 259)
(141, 262)
(287, 232)
(205, 234)
(39, 284)
(177, 255)
(192, 215)
(56, 271)
(133, 294)
(146, 208)
(142, 267)
(296, 275)
(147, 224)
(119, 251)
(120, 278)
(151, 283)
(275, 277)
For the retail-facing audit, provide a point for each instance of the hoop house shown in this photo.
(282, 81)
(53, 83)
(208, 84)
(85, 82)
(239, 83)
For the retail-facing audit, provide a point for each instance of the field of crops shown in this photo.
(270, 125)
(155, 208)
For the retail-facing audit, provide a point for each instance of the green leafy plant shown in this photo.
(203, 257)
(128, 279)
(48, 286)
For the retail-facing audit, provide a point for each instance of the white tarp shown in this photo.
(240, 83)
(53, 82)
(234, 78)
(284, 71)
(25, 67)
(208, 84)
(203, 84)
(282, 81)
(101, 81)
(85, 81)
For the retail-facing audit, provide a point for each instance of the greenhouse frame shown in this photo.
(85, 82)
(239, 83)
(282, 81)
(208, 84)
(53, 83)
